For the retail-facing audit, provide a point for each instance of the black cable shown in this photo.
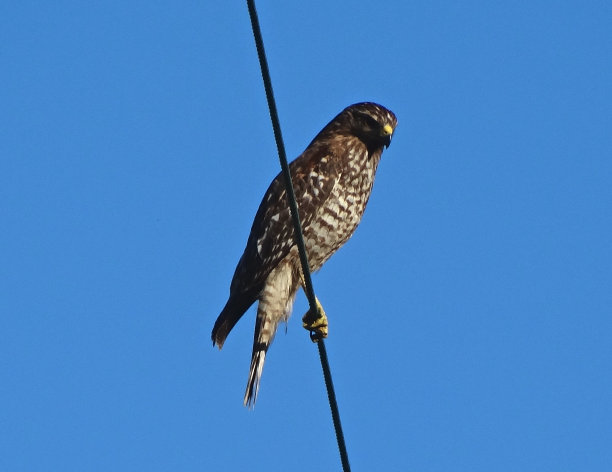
(299, 238)
(265, 73)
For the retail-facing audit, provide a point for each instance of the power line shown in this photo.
(299, 239)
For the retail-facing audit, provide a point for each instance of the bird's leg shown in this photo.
(315, 321)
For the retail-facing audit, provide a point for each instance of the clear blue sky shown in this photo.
(471, 313)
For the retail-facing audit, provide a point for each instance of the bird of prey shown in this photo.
(333, 180)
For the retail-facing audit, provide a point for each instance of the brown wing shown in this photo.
(314, 174)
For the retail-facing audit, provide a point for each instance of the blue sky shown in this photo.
(470, 315)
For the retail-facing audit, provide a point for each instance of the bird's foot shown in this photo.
(316, 323)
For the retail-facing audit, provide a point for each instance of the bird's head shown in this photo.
(372, 123)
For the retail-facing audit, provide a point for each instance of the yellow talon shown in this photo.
(316, 323)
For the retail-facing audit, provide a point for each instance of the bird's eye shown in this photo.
(370, 122)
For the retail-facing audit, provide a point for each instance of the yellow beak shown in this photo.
(387, 131)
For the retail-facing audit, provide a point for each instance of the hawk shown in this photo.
(333, 180)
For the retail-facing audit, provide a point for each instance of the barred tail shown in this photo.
(265, 329)
(257, 363)
(275, 302)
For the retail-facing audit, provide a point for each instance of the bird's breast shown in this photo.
(341, 213)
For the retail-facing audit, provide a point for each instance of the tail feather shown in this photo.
(275, 301)
(257, 363)
(265, 328)
(270, 312)
(231, 313)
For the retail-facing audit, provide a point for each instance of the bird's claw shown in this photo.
(316, 323)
